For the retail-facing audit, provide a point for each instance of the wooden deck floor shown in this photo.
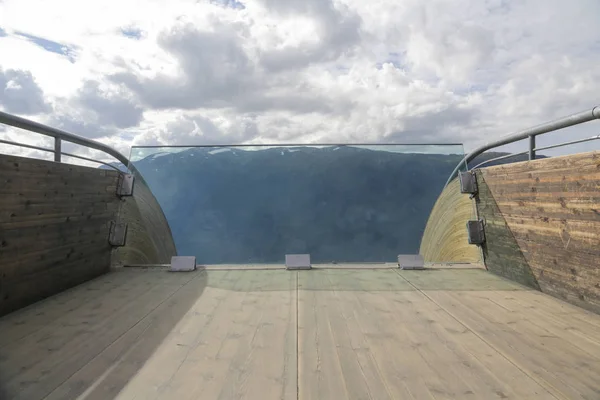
(320, 334)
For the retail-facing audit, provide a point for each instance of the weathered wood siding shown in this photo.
(54, 225)
(543, 225)
(445, 237)
(149, 238)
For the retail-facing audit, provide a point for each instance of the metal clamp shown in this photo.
(476, 232)
(117, 234)
(125, 185)
(468, 182)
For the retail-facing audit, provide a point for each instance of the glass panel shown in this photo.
(254, 204)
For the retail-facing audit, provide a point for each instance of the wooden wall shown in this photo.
(149, 238)
(445, 237)
(543, 225)
(54, 225)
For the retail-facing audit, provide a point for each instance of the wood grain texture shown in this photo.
(54, 225)
(237, 341)
(320, 334)
(149, 238)
(543, 225)
(445, 238)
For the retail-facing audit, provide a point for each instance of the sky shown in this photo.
(191, 72)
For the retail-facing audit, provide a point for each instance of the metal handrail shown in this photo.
(597, 137)
(59, 135)
(29, 146)
(530, 133)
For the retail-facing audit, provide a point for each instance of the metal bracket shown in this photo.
(476, 232)
(183, 263)
(297, 261)
(117, 234)
(125, 185)
(468, 182)
(411, 261)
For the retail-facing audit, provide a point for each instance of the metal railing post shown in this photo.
(532, 147)
(565, 122)
(57, 149)
(32, 126)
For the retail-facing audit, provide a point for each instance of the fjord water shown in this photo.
(254, 204)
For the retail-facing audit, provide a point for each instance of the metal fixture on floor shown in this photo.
(297, 261)
(411, 261)
(183, 263)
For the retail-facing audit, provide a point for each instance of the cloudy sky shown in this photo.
(133, 72)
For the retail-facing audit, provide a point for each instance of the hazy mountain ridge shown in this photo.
(336, 203)
(229, 205)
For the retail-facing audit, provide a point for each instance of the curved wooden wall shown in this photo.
(543, 225)
(445, 237)
(54, 227)
(149, 238)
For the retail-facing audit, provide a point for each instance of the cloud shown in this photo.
(432, 127)
(260, 71)
(110, 108)
(336, 31)
(80, 124)
(196, 129)
(97, 111)
(213, 71)
(20, 94)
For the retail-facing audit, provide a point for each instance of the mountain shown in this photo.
(340, 204)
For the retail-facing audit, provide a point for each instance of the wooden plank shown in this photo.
(232, 334)
(552, 361)
(359, 343)
(57, 220)
(26, 266)
(546, 225)
(105, 375)
(432, 355)
(562, 309)
(52, 189)
(575, 331)
(22, 182)
(320, 371)
(465, 279)
(238, 341)
(568, 164)
(478, 371)
(35, 238)
(83, 339)
(17, 293)
(17, 199)
(65, 214)
(36, 316)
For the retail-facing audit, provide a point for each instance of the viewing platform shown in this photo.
(336, 331)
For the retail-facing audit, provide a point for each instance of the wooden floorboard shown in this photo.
(546, 355)
(329, 333)
(237, 341)
(359, 342)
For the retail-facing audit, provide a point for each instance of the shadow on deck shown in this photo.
(328, 333)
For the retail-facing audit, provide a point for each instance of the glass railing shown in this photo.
(339, 203)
